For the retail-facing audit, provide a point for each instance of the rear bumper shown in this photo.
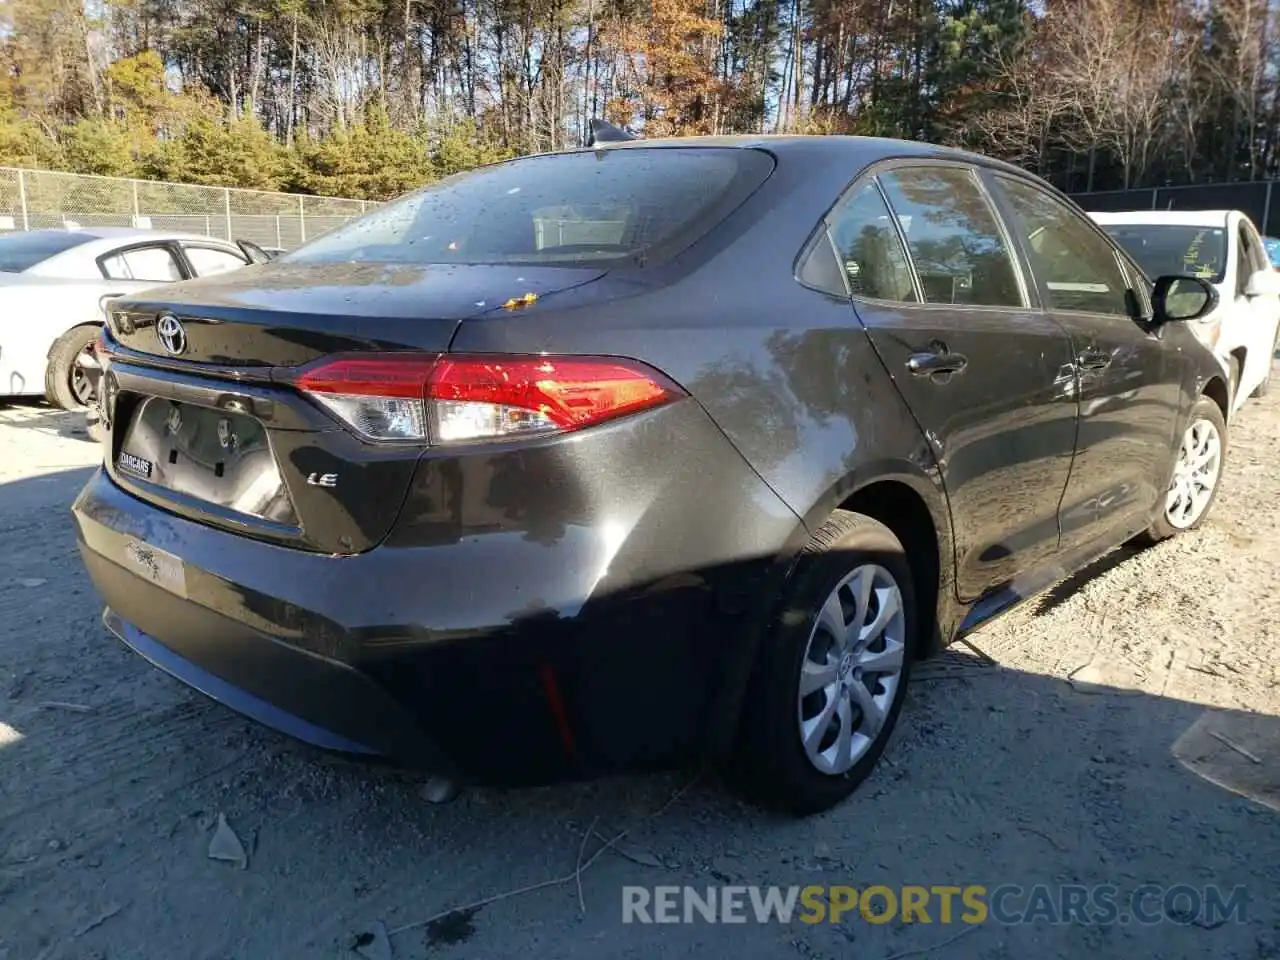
(293, 651)
(506, 655)
(184, 665)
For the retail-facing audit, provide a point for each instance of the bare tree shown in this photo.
(1237, 68)
(1024, 123)
(1116, 64)
(336, 42)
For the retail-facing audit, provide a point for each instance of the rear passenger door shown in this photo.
(1129, 395)
(986, 374)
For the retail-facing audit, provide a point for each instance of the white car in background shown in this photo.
(54, 285)
(1225, 248)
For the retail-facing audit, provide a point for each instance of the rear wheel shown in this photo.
(828, 689)
(66, 382)
(1197, 471)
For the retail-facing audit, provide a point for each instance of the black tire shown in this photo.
(59, 388)
(772, 762)
(1161, 528)
(1233, 381)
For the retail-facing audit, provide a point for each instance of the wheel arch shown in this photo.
(902, 508)
(1240, 355)
(907, 500)
(1216, 389)
(53, 345)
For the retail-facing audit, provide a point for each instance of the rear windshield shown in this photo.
(21, 251)
(1162, 249)
(632, 205)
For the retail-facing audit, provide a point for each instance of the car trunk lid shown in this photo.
(285, 315)
(206, 423)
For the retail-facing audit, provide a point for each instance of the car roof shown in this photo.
(126, 233)
(821, 148)
(1179, 218)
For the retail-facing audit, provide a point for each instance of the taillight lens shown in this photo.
(454, 398)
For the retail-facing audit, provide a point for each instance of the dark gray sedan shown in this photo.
(612, 457)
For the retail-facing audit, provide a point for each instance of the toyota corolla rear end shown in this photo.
(511, 565)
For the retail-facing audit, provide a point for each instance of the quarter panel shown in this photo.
(789, 377)
(786, 372)
(32, 317)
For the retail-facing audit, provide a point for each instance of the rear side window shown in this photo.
(607, 206)
(142, 263)
(22, 251)
(1255, 257)
(1244, 265)
(1078, 269)
(955, 241)
(870, 249)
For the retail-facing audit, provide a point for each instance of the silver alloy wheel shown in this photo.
(851, 668)
(1195, 475)
(78, 379)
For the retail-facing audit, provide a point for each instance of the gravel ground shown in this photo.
(1127, 734)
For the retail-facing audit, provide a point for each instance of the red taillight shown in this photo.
(451, 398)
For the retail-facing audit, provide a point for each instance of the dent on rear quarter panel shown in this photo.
(786, 374)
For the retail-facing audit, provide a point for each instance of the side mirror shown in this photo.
(1183, 298)
(1263, 283)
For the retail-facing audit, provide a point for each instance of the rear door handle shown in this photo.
(1093, 360)
(940, 361)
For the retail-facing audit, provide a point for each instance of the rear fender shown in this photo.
(723, 724)
(32, 319)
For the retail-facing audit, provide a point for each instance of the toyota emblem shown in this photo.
(173, 337)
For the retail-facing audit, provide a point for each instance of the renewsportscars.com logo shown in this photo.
(1008, 904)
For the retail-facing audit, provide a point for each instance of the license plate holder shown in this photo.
(157, 566)
(207, 455)
(138, 466)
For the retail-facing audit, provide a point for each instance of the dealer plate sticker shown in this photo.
(161, 568)
(135, 465)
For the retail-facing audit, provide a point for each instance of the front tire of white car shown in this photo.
(66, 383)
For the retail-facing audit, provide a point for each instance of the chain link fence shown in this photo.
(1256, 199)
(38, 199)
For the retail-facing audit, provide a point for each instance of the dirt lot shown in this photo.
(1111, 744)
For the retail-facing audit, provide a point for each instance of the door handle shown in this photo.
(1093, 360)
(939, 361)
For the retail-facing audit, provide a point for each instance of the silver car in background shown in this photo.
(53, 287)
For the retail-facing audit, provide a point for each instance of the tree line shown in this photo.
(367, 98)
